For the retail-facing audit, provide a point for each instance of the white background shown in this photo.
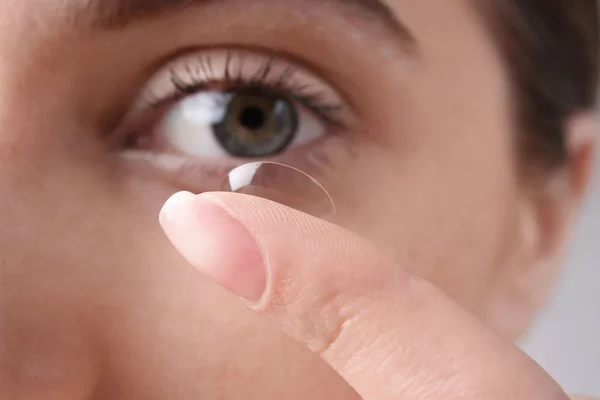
(566, 338)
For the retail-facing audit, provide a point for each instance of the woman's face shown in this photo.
(401, 109)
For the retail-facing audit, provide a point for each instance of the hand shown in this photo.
(390, 335)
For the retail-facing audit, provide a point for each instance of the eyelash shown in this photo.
(199, 75)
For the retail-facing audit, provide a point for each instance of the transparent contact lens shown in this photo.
(283, 184)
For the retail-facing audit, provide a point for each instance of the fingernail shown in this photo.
(215, 243)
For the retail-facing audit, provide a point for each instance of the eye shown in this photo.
(243, 123)
(234, 104)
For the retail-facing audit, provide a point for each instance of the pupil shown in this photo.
(252, 118)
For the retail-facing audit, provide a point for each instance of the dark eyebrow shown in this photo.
(112, 14)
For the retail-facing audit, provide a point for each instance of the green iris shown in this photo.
(257, 124)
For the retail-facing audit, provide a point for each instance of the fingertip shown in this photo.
(174, 205)
(214, 242)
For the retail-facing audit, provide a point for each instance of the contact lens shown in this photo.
(283, 184)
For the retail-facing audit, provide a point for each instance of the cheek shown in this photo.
(443, 210)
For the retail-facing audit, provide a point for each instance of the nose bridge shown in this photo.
(22, 158)
(44, 351)
(38, 124)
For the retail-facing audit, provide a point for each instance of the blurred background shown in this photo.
(566, 338)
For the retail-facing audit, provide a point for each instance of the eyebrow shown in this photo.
(114, 14)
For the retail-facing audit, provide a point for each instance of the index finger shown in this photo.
(389, 334)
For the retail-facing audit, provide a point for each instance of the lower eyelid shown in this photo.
(180, 172)
(198, 174)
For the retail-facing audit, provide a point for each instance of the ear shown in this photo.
(559, 200)
(581, 135)
(542, 226)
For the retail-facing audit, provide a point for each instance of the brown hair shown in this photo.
(551, 51)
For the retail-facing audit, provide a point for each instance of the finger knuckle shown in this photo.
(320, 320)
(332, 320)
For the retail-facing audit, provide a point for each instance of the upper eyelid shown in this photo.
(178, 66)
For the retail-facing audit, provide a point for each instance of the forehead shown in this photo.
(42, 15)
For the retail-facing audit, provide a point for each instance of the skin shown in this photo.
(96, 303)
